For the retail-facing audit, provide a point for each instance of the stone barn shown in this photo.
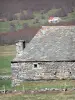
(49, 55)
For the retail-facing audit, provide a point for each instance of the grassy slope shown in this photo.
(36, 85)
(69, 17)
(7, 53)
(5, 65)
(38, 15)
(6, 83)
(4, 26)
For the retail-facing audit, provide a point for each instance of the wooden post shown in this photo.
(4, 88)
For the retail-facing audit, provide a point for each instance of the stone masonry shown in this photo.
(49, 55)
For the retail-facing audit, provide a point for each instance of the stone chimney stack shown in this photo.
(20, 45)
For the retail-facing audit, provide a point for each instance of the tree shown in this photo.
(60, 13)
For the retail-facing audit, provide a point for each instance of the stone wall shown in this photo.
(20, 46)
(22, 71)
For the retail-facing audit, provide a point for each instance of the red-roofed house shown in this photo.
(54, 19)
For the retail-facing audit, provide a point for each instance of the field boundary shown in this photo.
(46, 90)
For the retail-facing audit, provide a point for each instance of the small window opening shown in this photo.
(35, 65)
(70, 72)
(55, 73)
(23, 44)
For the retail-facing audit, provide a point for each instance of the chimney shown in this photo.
(20, 45)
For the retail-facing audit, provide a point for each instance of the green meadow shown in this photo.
(37, 85)
(4, 26)
(7, 53)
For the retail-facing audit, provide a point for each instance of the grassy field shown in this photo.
(4, 26)
(5, 65)
(6, 84)
(50, 96)
(7, 53)
(36, 85)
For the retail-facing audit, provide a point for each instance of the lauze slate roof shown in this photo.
(51, 43)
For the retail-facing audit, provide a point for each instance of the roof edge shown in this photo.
(43, 61)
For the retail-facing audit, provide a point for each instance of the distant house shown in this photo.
(54, 19)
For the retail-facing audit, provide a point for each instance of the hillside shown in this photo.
(8, 8)
(17, 5)
(33, 13)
